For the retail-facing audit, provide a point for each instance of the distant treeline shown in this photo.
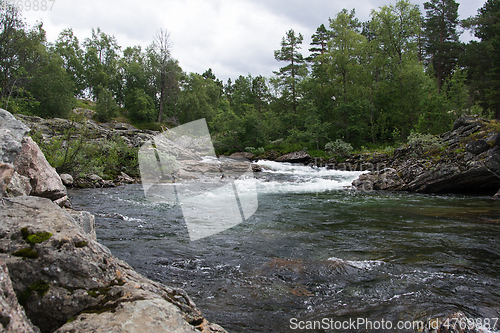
(367, 83)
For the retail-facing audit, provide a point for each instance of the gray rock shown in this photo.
(94, 178)
(12, 132)
(256, 167)
(492, 161)
(296, 157)
(86, 221)
(19, 186)
(6, 173)
(387, 179)
(12, 316)
(45, 181)
(123, 178)
(463, 164)
(68, 272)
(93, 181)
(465, 121)
(87, 113)
(241, 154)
(139, 316)
(66, 179)
(478, 147)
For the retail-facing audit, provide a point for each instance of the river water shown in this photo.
(316, 251)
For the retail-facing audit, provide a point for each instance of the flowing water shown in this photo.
(316, 251)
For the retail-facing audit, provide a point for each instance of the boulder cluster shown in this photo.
(54, 275)
(464, 160)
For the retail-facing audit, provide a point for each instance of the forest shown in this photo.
(365, 84)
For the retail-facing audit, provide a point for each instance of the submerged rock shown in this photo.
(68, 282)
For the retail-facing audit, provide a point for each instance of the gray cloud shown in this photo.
(233, 37)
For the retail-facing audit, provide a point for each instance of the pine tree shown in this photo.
(319, 43)
(442, 39)
(291, 73)
(488, 30)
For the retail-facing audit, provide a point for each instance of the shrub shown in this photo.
(339, 147)
(106, 106)
(424, 141)
(80, 151)
(140, 105)
(258, 151)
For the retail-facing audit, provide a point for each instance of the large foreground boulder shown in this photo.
(68, 282)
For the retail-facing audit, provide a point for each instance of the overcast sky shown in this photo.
(233, 37)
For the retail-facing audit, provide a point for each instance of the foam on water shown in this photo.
(294, 178)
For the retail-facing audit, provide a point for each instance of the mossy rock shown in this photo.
(35, 238)
(38, 237)
(26, 253)
(81, 244)
(40, 287)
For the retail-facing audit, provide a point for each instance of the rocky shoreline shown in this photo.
(55, 276)
(465, 160)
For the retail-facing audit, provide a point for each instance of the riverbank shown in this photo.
(53, 266)
(464, 160)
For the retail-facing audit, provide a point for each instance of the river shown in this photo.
(315, 251)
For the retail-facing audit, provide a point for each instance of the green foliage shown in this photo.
(79, 151)
(427, 142)
(291, 74)
(441, 37)
(371, 83)
(152, 126)
(140, 106)
(255, 151)
(339, 147)
(106, 107)
(52, 88)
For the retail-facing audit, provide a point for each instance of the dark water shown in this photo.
(315, 251)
